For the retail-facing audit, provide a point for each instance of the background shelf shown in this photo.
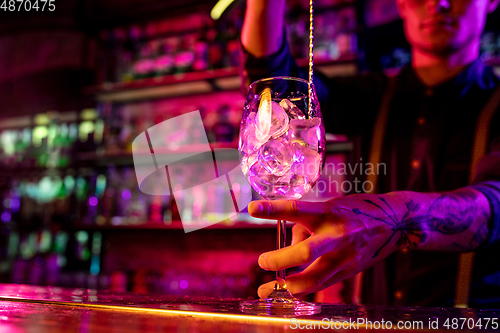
(177, 225)
(198, 82)
(126, 158)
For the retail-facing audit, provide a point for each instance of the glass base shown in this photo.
(280, 303)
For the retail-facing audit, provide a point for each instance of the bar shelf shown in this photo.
(175, 225)
(125, 157)
(191, 83)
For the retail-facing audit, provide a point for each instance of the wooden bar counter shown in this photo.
(26, 308)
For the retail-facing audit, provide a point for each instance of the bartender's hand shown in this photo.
(341, 237)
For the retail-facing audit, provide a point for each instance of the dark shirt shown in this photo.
(427, 148)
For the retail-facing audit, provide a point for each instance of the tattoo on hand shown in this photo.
(479, 237)
(451, 213)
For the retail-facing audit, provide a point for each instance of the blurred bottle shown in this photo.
(106, 57)
(215, 49)
(125, 49)
(39, 140)
(113, 124)
(96, 253)
(139, 282)
(198, 194)
(201, 52)
(9, 249)
(56, 260)
(101, 200)
(211, 207)
(134, 122)
(78, 256)
(118, 282)
(126, 67)
(223, 130)
(177, 201)
(70, 182)
(99, 130)
(174, 211)
(232, 46)
(136, 210)
(53, 143)
(64, 143)
(43, 240)
(108, 205)
(155, 203)
(81, 196)
(11, 202)
(22, 146)
(123, 196)
(91, 199)
(21, 272)
(185, 56)
(187, 204)
(61, 205)
(88, 137)
(119, 64)
(145, 65)
(28, 204)
(164, 62)
(166, 208)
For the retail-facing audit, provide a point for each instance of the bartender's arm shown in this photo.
(341, 237)
(262, 30)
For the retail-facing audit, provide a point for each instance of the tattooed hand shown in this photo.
(339, 238)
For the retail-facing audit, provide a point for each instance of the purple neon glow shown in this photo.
(230, 281)
(15, 204)
(116, 220)
(6, 216)
(93, 201)
(39, 261)
(126, 194)
(244, 281)
(245, 188)
(215, 280)
(92, 211)
(183, 284)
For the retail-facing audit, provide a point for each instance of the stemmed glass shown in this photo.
(282, 149)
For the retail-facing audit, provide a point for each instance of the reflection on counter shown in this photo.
(91, 310)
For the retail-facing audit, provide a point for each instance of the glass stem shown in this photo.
(281, 243)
